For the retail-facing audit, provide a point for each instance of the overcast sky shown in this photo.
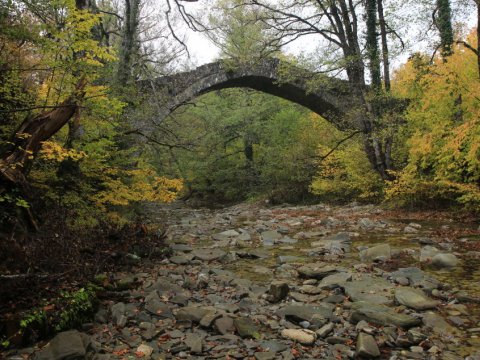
(202, 50)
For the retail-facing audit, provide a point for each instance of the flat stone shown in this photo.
(224, 325)
(287, 240)
(181, 247)
(230, 233)
(192, 313)
(164, 287)
(330, 246)
(266, 355)
(180, 259)
(285, 259)
(414, 298)
(444, 260)
(269, 238)
(310, 289)
(303, 336)
(126, 282)
(439, 325)
(367, 347)
(371, 289)
(416, 278)
(208, 319)
(273, 346)
(376, 253)
(316, 271)
(316, 315)
(381, 315)
(246, 328)
(149, 330)
(194, 343)
(155, 306)
(335, 280)
(181, 300)
(208, 254)
(67, 345)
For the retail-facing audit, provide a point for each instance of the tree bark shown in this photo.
(385, 54)
(28, 139)
(444, 25)
(372, 45)
(129, 41)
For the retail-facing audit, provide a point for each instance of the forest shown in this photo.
(133, 133)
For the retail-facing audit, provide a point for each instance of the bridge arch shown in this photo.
(332, 99)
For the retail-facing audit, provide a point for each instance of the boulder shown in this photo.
(278, 291)
(439, 325)
(270, 237)
(316, 315)
(192, 313)
(224, 325)
(335, 280)
(371, 289)
(316, 271)
(194, 343)
(381, 315)
(67, 345)
(444, 260)
(246, 328)
(414, 298)
(155, 306)
(208, 254)
(376, 253)
(428, 252)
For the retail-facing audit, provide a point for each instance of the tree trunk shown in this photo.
(28, 139)
(444, 25)
(372, 44)
(383, 34)
(129, 41)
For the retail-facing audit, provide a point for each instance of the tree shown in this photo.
(338, 23)
(241, 36)
(444, 25)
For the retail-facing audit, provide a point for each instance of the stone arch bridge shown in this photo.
(331, 98)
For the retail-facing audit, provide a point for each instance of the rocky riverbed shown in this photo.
(314, 282)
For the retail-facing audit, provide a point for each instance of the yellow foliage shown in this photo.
(443, 120)
(122, 187)
(346, 174)
(55, 152)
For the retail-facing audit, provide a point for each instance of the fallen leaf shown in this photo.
(121, 352)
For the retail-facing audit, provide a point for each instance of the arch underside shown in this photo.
(286, 91)
(326, 105)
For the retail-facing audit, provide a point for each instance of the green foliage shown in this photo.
(229, 145)
(241, 35)
(78, 308)
(69, 310)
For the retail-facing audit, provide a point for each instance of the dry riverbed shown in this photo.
(312, 282)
